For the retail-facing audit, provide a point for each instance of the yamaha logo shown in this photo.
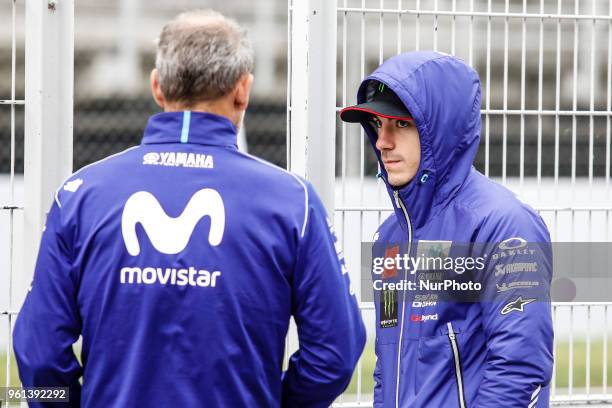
(178, 159)
(150, 158)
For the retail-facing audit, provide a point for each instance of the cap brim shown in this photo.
(364, 112)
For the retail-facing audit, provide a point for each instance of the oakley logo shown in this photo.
(512, 243)
(171, 235)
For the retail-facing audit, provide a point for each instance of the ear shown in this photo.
(242, 92)
(156, 90)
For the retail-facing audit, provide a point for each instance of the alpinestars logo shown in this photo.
(388, 309)
(170, 236)
(167, 234)
(516, 305)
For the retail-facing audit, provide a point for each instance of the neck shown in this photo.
(217, 107)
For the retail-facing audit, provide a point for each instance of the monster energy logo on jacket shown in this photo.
(388, 308)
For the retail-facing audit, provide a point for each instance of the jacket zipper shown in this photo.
(401, 205)
(457, 359)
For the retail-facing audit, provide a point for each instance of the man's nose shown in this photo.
(385, 139)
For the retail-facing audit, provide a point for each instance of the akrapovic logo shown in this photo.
(517, 267)
(179, 159)
(171, 236)
(167, 234)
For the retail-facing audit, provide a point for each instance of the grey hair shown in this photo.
(201, 55)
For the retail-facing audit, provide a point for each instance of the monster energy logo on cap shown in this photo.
(388, 309)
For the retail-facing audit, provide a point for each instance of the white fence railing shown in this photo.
(47, 109)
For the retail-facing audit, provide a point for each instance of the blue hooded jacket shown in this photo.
(496, 352)
(180, 262)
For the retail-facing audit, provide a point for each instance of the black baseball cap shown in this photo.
(381, 101)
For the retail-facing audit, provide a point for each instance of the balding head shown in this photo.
(201, 56)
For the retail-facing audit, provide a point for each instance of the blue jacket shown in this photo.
(180, 262)
(496, 352)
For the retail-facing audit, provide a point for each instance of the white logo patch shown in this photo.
(167, 234)
(340, 254)
(512, 243)
(178, 159)
(73, 185)
(416, 304)
(517, 305)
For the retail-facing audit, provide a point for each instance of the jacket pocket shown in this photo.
(452, 338)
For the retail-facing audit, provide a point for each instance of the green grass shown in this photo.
(368, 362)
(14, 375)
(580, 364)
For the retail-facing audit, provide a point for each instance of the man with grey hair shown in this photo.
(181, 261)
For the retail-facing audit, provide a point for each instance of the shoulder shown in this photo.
(499, 212)
(285, 192)
(87, 177)
(280, 177)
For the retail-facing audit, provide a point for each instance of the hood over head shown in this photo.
(443, 95)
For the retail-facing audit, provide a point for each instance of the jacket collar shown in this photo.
(190, 127)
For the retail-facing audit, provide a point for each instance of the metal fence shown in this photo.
(46, 137)
(546, 73)
(9, 206)
(108, 125)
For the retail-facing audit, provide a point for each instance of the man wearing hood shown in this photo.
(421, 112)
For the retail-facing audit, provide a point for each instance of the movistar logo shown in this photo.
(171, 235)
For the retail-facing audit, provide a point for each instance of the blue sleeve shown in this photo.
(516, 310)
(49, 323)
(378, 397)
(329, 324)
(378, 394)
